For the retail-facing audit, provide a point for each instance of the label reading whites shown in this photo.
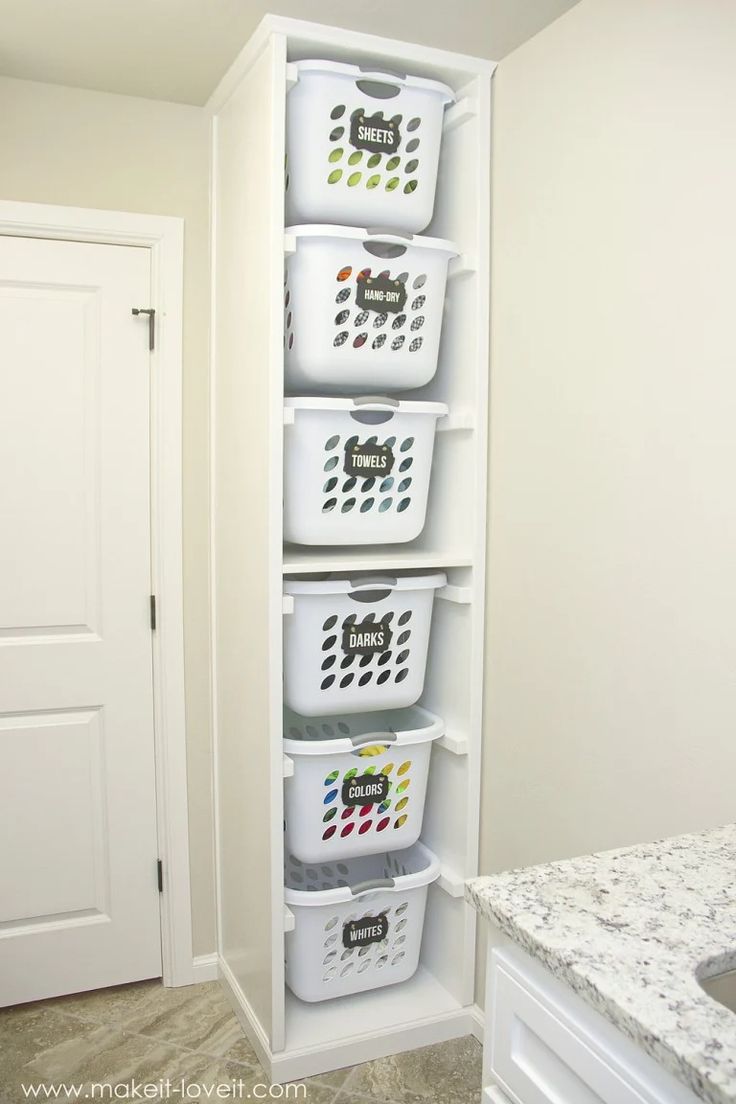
(379, 293)
(366, 637)
(374, 133)
(365, 789)
(368, 459)
(363, 932)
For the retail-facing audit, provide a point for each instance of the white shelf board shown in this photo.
(378, 557)
(347, 1019)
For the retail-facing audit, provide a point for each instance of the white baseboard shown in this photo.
(479, 1022)
(493, 1095)
(313, 1060)
(205, 968)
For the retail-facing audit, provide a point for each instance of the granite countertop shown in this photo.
(630, 931)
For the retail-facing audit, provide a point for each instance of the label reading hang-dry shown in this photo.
(366, 637)
(374, 133)
(366, 930)
(380, 293)
(365, 789)
(368, 458)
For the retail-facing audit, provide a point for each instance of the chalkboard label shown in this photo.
(365, 789)
(374, 133)
(380, 293)
(363, 460)
(366, 637)
(363, 932)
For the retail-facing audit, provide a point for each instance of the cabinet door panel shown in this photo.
(548, 1047)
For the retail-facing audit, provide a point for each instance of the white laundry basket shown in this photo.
(362, 147)
(356, 471)
(358, 923)
(357, 644)
(362, 308)
(359, 782)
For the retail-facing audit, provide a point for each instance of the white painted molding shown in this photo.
(493, 1095)
(163, 235)
(205, 968)
(283, 1066)
(478, 1017)
(418, 57)
(246, 1016)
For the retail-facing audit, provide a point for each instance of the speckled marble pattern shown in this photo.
(148, 1034)
(631, 931)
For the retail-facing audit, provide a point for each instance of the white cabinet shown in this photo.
(249, 557)
(544, 1045)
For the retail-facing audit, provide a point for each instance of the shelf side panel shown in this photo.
(246, 445)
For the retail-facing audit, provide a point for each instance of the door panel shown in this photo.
(79, 905)
(51, 404)
(74, 860)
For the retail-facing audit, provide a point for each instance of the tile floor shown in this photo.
(146, 1033)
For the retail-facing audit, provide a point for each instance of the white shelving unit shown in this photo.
(295, 1039)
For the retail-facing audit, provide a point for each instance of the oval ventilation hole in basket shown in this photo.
(375, 161)
(334, 498)
(288, 315)
(387, 665)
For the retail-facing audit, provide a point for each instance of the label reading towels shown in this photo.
(368, 459)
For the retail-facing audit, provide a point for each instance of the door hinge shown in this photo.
(160, 872)
(151, 324)
(153, 611)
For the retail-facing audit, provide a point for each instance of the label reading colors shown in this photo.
(365, 789)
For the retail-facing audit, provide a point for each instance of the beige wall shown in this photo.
(91, 149)
(611, 690)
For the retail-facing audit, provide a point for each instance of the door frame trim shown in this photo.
(164, 236)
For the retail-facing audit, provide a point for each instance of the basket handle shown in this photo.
(372, 581)
(372, 71)
(373, 738)
(372, 883)
(375, 400)
(387, 232)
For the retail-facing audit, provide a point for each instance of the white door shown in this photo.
(79, 903)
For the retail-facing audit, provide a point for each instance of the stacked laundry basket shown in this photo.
(364, 298)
